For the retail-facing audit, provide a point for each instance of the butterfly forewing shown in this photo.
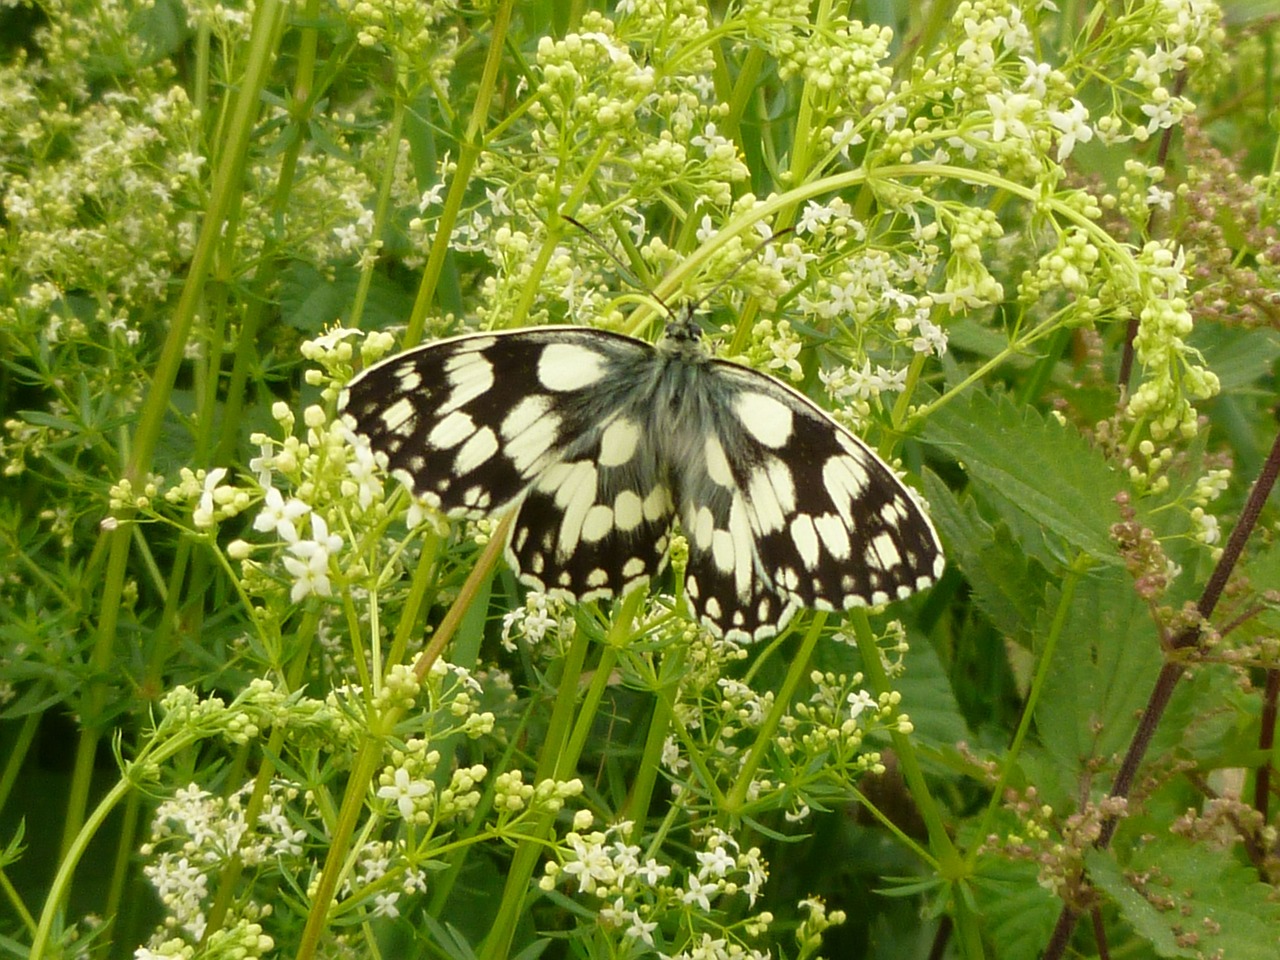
(468, 422)
(599, 440)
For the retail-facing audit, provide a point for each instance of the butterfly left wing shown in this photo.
(788, 508)
(540, 418)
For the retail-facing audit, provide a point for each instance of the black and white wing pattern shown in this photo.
(599, 441)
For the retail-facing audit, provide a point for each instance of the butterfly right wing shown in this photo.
(546, 417)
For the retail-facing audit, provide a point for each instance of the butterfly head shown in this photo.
(683, 337)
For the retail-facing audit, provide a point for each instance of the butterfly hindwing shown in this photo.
(814, 515)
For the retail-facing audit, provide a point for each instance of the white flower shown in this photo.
(1006, 116)
(858, 702)
(405, 791)
(203, 517)
(309, 564)
(1074, 124)
(278, 516)
(384, 904)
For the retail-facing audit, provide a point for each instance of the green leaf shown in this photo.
(1005, 585)
(1104, 666)
(1018, 914)
(1037, 473)
(927, 696)
(1196, 899)
(1145, 919)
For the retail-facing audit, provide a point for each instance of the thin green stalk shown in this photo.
(369, 758)
(383, 204)
(1065, 600)
(61, 885)
(646, 777)
(878, 681)
(120, 872)
(468, 152)
(363, 770)
(950, 865)
(229, 878)
(553, 760)
(262, 44)
(796, 672)
(18, 755)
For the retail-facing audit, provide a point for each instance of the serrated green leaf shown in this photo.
(1146, 921)
(1104, 666)
(1206, 902)
(1004, 585)
(927, 696)
(1018, 914)
(1031, 468)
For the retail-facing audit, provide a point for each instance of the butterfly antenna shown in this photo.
(742, 263)
(628, 274)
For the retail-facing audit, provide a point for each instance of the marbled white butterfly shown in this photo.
(599, 440)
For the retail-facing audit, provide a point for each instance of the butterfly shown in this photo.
(599, 441)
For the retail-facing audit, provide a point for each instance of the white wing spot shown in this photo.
(597, 523)
(528, 444)
(834, 534)
(569, 366)
(772, 494)
(397, 415)
(408, 379)
(805, 537)
(618, 442)
(893, 512)
(845, 480)
(743, 547)
(476, 451)
(713, 608)
(717, 462)
(476, 498)
(628, 510)
(883, 552)
(597, 578)
(766, 418)
(524, 415)
(704, 525)
(451, 431)
(657, 504)
(722, 550)
(470, 375)
(633, 568)
(576, 497)
(691, 586)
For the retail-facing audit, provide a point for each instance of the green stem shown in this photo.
(468, 152)
(1043, 666)
(61, 884)
(796, 672)
(554, 759)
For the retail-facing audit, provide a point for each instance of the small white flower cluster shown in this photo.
(636, 897)
(1173, 377)
(195, 833)
(542, 618)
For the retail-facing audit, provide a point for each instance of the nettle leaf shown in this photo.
(1104, 664)
(1007, 586)
(1018, 914)
(1195, 900)
(1039, 475)
(927, 696)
